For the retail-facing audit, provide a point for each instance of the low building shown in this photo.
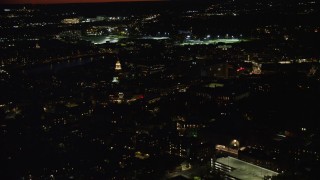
(236, 169)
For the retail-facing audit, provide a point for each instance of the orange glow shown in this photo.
(66, 1)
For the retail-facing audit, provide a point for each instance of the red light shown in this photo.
(240, 69)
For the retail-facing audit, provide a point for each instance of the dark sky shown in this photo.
(63, 1)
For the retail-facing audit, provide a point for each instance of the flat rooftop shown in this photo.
(244, 170)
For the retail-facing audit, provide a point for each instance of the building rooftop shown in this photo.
(244, 170)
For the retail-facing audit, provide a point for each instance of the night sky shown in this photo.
(64, 1)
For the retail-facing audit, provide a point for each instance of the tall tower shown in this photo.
(118, 66)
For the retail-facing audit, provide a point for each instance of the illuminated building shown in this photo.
(256, 68)
(118, 66)
(115, 80)
(224, 47)
(221, 94)
(38, 46)
(221, 70)
(118, 74)
(235, 144)
(178, 150)
(141, 156)
(117, 98)
(233, 168)
(71, 21)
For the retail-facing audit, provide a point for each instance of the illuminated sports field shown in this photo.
(213, 41)
(116, 38)
(154, 38)
(244, 170)
(103, 39)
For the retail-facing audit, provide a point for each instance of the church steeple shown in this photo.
(118, 66)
